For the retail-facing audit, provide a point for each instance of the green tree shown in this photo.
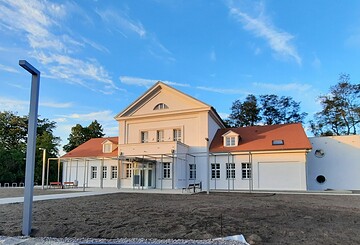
(80, 135)
(340, 114)
(13, 137)
(277, 110)
(244, 113)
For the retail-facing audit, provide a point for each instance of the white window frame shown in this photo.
(93, 172)
(230, 141)
(107, 148)
(144, 136)
(166, 170)
(215, 171)
(104, 172)
(230, 170)
(246, 170)
(114, 172)
(128, 170)
(177, 134)
(192, 171)
(160, 135)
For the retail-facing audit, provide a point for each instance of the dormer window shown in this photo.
(277, 142)
(161, 106)
(107, 147)
(230, 139)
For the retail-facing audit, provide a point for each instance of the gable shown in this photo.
(153, 101)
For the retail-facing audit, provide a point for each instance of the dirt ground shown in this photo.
(276, 218)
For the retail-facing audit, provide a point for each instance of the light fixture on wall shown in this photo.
(319, 153)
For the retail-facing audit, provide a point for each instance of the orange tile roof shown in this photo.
(93, 148)
(259, 138)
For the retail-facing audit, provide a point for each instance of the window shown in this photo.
(230, 170)
(128, 170)
(192, 171)
(246, 171)
(104, 173)
(161, 106)
(160, 135)
(215, 170)
(277, 142)
(107, 148)
(177, 134)
(230, 141)
(144, 137)
(93, 172)
(114, 172)
(166, 170)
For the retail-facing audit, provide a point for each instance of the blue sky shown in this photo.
(96, 57)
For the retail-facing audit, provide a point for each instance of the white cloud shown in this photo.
(212, 56)
(103, 116)
(283, 87)
(56, 104)
(8, 69)
(222, 90)
(224, 115)
(11, 104)
(118, 19)
(261, 26)
(147, 82)
(316, 63)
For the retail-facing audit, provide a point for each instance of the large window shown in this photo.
(246, 170)
(192, 171)
(104, 173)
(177, 134)
(144, 136)
(166, 170)
(230, 141)
(128, 170)
(114, 172)
(93, 172)
(230, 170)
(215, 170)
(160, 135)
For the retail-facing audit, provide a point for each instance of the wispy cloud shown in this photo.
(212, 56)
(222, 90)
(121, 21)
(8, 69)
(20, 105)
(283, 87)
(147, 82)
(261, 26)
(106, 115)
(39, 22)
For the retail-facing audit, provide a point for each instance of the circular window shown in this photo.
(320, 179)
(319, 153)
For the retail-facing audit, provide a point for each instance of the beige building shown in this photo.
(170, 140)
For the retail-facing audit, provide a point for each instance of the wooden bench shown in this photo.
(56, 184)
(193, 186)
(69, 184)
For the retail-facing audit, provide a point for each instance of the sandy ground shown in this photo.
(277, 219)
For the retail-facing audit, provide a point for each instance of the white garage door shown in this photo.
(281, 176)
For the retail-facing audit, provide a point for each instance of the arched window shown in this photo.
(161, 106)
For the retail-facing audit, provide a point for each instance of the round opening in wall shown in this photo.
(319, 153)
(320, 179)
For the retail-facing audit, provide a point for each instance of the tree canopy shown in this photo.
(340, 114)
(271, 109)
(80, 135)
(13, 137)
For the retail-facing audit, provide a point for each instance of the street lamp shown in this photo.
(43, 167)
(31, 146)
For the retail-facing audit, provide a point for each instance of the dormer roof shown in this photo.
(93, 148)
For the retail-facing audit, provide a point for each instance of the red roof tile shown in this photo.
(259, 138)
(93, 148)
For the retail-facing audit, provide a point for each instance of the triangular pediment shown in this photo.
(162, 99)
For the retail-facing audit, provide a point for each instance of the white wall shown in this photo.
(340, 164)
